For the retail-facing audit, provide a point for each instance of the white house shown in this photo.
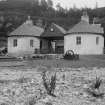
(25, 39)
(85, 38)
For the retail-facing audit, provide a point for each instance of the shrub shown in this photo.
(97, 83)
(49, 84)
(94, 89)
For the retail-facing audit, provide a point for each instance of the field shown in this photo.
(84, 61)
(21, 81)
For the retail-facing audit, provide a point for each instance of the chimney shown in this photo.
(85, 17)
(29, 21)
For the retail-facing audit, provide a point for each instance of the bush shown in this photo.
(94, 89)
(49, 84)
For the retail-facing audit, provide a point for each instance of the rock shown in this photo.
(85, 95)
(85, 86)
(77, 84)
(18, 92)
(40, 103)
(99, 99)
(18, 104)
(47, 99)
(75, 93)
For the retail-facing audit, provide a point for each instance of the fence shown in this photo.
(49, 51)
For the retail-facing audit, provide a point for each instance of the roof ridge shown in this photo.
(60, 28)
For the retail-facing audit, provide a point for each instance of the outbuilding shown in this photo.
(85, 38)
(25, 39)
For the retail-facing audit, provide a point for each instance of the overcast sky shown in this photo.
(80, 3)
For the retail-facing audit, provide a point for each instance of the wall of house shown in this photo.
(23, 45)
(88, 44)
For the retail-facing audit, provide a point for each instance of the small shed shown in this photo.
(85, 38)
(25, 39)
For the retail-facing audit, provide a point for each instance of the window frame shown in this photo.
(78, 40)
(97, 40)
(31, 43)
(15, 42)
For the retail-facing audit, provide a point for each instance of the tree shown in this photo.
(36, 2)
(43, 3)
(50, 3)
(61, 12)
(58, 6)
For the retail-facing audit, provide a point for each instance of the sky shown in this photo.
(80, 3)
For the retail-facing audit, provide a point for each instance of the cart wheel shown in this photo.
(70, 52)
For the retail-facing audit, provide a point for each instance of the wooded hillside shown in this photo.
(14, 12)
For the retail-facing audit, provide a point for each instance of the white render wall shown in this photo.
(88, 44)
(23, 45)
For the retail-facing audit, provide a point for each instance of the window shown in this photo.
(31, 43)
(97, 40)
(15, 42)
(78, 40)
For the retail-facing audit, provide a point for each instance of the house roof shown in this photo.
(27, 29)
(54, 30)
(84, 27)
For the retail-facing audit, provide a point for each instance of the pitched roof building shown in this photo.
(25, 39)
(85, 38)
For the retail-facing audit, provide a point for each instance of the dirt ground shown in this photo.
(21, 81)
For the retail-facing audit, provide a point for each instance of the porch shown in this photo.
(51, 46)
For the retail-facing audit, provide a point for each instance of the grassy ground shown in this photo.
(84, 61)
(20, 82)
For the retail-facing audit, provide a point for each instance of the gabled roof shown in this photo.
(85, 27)
(27, 29)
(54, 30)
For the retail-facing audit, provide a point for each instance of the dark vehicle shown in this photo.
(69, 55)
(3, 51)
